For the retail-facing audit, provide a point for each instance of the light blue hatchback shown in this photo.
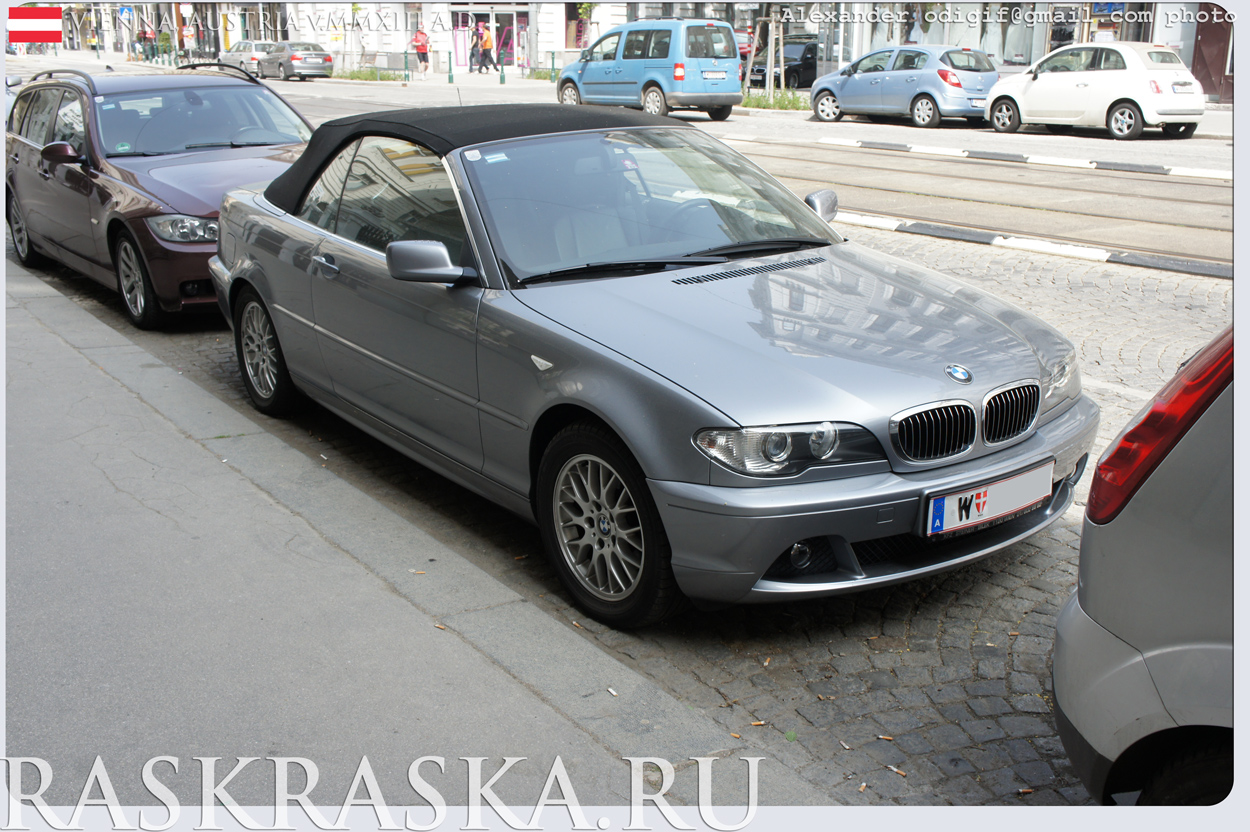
(658, 65)
(926, 82)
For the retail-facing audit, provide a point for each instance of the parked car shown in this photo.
(796, 67)
(120, 175)
(246, 54)
(926, 82)
(659, 65)
(1124, 87)
(295, 59)
(620, 328)
(1143, 664)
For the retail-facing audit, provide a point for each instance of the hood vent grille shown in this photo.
(749, 270)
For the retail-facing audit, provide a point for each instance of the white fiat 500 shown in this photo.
(1124, 87)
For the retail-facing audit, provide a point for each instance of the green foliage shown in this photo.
(366, 74)
(584, 10)
(781, 100)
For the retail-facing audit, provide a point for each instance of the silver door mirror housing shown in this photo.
(824, 203)
(423, 261)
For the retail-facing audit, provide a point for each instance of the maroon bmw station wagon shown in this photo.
(120, 175)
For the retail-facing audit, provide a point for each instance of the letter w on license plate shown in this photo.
(986, 503)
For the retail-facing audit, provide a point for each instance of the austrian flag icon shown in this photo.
(35, 24)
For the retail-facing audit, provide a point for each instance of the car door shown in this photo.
(403, 352)
(31, 178)
(633, 63)
(1061, 92)
(898, 86)
(70, 186)
(601, 73)
(1109, 82)
(861, 93)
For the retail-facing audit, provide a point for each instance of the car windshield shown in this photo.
(199, 118)
(975, 61)
(559, 202)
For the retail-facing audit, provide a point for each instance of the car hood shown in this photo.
(840, 333)
(193, 183)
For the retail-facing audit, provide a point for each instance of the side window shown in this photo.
(39, 119)
(1110, 59)
(321, 203)
(660, 40)
(875, 62)
(910, 59)
(636, 44)
(397, 190)
(69, 124)
(1071, 60)
(19, 111)
(605, 50)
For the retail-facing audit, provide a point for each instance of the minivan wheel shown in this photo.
(569, 94)
(261, 363)
(1179, 131)
(1201, 778)
(653, 101)
(1124, 121)
(138, 296)
(602, 530)
(826, 107)
(1005, 116)
(924, 112)
(26, 254)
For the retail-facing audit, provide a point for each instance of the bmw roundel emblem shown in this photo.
(959, 373)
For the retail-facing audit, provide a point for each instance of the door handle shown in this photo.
(45, 174)
(875, 82)
(911, 78)
(326, 262)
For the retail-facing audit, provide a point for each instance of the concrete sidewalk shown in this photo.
(182, 583)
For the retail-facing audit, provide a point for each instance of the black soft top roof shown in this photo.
(444, 129)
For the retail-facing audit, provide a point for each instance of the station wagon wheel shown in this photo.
(924, 112)
(569, 94)
(826, 107)
(1005, 116)
(1179, 131)
(602, 530)
(1124, 121)
(653, 101)
(261, 362)
(138, 296)
(26, 254)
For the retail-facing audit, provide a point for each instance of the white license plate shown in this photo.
(314, 60)
(713, 76)
(978, 102)
(1183, 88)
(986, 503)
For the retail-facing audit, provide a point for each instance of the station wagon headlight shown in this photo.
(179, 228)
(1062, 382)
(779, 450)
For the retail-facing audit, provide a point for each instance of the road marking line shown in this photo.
(885, 223)
(1201, 173)
(839, 142)
(1058, 161)
(939, 151)
(1047, 247)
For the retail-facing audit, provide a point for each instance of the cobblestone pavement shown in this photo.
(934, 692)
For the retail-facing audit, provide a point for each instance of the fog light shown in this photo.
(800, 556)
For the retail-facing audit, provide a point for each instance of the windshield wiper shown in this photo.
(767, 245)
(228, 144)
(653, 264)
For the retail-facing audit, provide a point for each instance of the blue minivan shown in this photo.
(658, 65)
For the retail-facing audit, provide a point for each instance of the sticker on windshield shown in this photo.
(629, 164)
(491, 158)
(122, 147)
(472, 155)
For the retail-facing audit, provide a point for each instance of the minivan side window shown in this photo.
(605, 50)
(660, 40)
(636, 44)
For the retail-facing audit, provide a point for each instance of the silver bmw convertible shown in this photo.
(616, 326)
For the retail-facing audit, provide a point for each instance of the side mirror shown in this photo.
(12, 80)
(824, 203)
(1035, 75)
(585, 56)
(60, 153)
(423, 261)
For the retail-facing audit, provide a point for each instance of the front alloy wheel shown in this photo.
(1005, 117)
(133, 282)
(827, 107)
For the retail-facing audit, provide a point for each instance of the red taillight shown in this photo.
(1139, 449)
(949, 77)
(329, 59)
(296, 58)
(1154, 87)
(679, 72)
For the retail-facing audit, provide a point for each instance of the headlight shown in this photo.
(1061, 382)
(177, 228)
(788, 449)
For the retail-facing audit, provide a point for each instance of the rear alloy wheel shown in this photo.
(653, 101)
(826, 107)
(1124, 121)
(26, 254)
(924, 112)
(1179, 131)
(1005, 116)
(260, 357)
(138, 296)
(720, 113)
(570, 95)
(602, 530)
(287, 74)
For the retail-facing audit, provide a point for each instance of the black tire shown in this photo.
(792, 81)
(826, 107)
(1179, 131)
(261, 363)
(720, 113)
(569, 94)
(134, 283)
(925, 112)
(653, 101)
(1005, 116)
(25, 250)
(602, 531)
(1124, 120)
(286, 72)
(1203, 777)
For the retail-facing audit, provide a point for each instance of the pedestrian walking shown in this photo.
(488, 46)
(475, 47)
(421, 45)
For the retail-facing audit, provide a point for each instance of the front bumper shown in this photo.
(702, 99)
(178, 271)
(863, 531)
